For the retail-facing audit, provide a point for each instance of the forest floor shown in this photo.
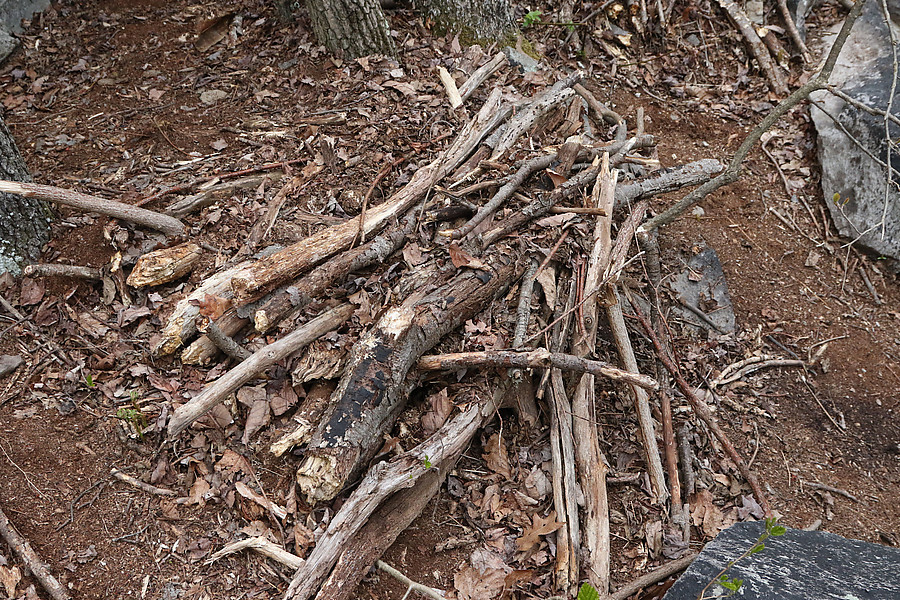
(116, 99)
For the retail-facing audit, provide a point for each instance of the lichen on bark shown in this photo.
(476, 21)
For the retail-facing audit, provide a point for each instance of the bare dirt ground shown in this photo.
(113, 98)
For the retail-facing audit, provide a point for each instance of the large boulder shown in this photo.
(800, 565)
(864, 70)
(11, 14)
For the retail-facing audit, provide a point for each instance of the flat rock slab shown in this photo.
(702, 286)
(800, 565)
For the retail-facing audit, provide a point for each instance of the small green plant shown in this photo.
(532, 17)
(89, 381)
(733, 584)
(587, 592)
(427, 462)
(133, 416)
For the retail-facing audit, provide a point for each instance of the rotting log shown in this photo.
(374, 387)
(162, 266)
(181, 324)
(383, 480)
(271, 271)
(262, 359)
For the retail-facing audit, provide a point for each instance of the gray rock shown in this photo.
(702, 286)
(800, 565)
(863, 72)
(518, 58)
(11, 14)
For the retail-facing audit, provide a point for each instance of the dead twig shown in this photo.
(137, 483)
(126, 212)
(540, 358)
(32, 559)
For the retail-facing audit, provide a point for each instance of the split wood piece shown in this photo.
(641, 403)
(533, 359)
(32, 560)
(307, 418)
(382, 481)
(269, 272)
(141, 485)
(262, 359)
(387, 522)
(154, 220)
(450, 85)
(703, 411)
(655, 576)
(588, 456)
(286, 301)
(162, 266)
(374, 387)
(525, 171)
(650, 244)
(731, 173)
(526, 116)
(264, 547)
(745, 26)
(565, 495)
(216, 190)
(182, 323)
(481, 75)
(60, 270)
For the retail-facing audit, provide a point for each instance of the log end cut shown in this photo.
(163, 266)
(324, 474)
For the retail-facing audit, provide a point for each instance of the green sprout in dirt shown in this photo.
(133, 416)
(89, 381)
(733, 584)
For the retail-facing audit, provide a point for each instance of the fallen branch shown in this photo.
(146, 487)
(32, 560)
(60, 270)
(154, 220)
(262, 359)
(731, 173)
(535, 359)
(654, 576)
(745, 26)
(481, 75)
(382, 481)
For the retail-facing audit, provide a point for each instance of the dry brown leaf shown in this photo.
(705, 514)
(461, 258)
(32, 291)
(198, 492)
(485, 579)
(211, 306)
(440, 410)
(256, 419)
(531, 537)
(212, 31)
(232, 462)
(496, 458)
(10, 578)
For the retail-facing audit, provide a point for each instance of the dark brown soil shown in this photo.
(105, 96)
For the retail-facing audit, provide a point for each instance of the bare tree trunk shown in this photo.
(474, 20)
(352, 28)
(25, 222)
